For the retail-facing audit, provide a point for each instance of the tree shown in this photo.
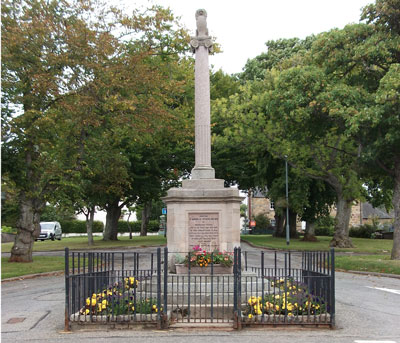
(41, 41)
(380, 124)
(366, 57)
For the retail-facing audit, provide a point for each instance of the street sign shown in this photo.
(164, 211)
(252, 223)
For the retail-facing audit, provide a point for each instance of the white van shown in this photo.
(50, 230)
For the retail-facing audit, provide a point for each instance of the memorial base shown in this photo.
(202, 213)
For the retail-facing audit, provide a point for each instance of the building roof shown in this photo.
(258, 193)
(369, 211)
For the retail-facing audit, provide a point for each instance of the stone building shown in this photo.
(361, 212)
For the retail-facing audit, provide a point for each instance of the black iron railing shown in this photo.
(142, 287)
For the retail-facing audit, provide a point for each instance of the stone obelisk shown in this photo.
(202, 212)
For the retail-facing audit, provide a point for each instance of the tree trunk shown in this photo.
(396, 206)
(341, 237)
(112, 217)
(145, 218)
(129, 225)
(293, 224)
(279, 225)
(309, 235)
(28, 227)
(89, 225)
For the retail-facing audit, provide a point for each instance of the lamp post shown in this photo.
(287, 204)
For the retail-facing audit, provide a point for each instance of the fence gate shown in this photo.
(198, 295)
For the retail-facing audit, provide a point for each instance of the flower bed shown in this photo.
(200, 262)
(287, 298)
(119, 303)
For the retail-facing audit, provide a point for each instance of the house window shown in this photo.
(271, 205)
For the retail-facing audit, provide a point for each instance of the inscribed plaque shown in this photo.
(204, 231)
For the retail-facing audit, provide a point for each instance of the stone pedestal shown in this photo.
(202, 213)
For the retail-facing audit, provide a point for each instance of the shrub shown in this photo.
(153, 226)
(8, 229)
(79, 226)
(325, 226)
(362, 231)
(324, 231)
(263, 225)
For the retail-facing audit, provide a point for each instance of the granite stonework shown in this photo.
(202, 212)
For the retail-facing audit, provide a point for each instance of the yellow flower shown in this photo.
(133, 308)
(290, 307)
(277, 296)
(104, 302)
(103, 306)
(88, 301)
(87, 311)
(99, 307)
(277, 307)
(93, 302)
(250, 316)
(154, 307)
(94, 295)
(290, 314)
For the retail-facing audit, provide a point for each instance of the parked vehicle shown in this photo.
(50, 230)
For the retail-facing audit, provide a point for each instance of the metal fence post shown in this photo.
(159, 287)
(235, 298)
(239, 287)
(262, 280)
(212, 287)
(332, 287)
(165, 322)
(67, 291)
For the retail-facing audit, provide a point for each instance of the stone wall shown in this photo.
(262, 206)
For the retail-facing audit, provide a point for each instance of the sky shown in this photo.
(243, 27)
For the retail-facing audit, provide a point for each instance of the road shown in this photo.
(367, 310)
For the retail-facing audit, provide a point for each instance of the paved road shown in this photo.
(367, 309)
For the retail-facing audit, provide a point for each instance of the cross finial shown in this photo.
(202, 37)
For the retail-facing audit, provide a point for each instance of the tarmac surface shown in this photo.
(367, 310)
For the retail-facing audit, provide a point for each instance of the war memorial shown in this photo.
(202, 277)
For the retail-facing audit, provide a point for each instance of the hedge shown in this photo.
(363, 231)
(79, 226)
(153, 226)
(324, 231)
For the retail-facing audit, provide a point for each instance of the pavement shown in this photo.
(367, 310)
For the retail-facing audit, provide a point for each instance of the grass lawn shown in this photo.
(80, 243)
(40, 264)
(368, 263)
(361, 245)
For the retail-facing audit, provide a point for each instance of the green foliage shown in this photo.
(262, 222)
(53, 213)
(8, 229)
(325, 226)
(153, 226)
(9, 213)
(363, 231)
(79, 226)
(156, 210)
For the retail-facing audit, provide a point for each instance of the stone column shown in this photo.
(201, 45)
